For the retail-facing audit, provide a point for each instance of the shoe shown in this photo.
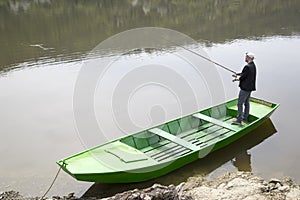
(245, 121)
(236, 123)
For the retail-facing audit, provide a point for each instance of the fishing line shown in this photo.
(226, 68)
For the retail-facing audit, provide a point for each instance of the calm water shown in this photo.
(45, 43)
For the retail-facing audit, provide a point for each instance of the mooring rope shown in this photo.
(51, 184)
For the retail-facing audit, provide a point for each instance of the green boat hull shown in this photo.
(159, 150)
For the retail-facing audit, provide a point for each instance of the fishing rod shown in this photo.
(226, 68)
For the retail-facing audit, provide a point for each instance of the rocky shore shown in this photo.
(237, 186)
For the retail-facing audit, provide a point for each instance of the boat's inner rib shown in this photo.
(214, 121)
(174, 139)
(173, 146)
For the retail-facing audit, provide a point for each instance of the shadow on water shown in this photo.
(236, 153)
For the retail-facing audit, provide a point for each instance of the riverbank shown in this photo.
(239, 185)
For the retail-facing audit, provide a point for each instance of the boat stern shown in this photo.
(106, 163)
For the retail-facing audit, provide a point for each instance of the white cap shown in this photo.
(250, 55)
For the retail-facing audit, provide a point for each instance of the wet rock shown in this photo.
(70, 196)
(156, 192)
(284, 188)
(222, 185)
(272, 186)
(179, 189)
(278, 185)
(56, 197)
(275, 181)
(288, 181)
(10, 195)
(229, 185)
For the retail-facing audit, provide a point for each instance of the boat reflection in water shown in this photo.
(236, 153)
(242, 161)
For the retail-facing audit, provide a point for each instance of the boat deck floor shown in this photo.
(201, 136)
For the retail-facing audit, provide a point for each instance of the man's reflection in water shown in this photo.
(242, 161)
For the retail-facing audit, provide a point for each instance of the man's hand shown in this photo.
(237, 78)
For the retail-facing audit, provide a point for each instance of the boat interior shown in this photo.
(182, 136)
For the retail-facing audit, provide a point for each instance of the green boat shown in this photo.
(161, 149)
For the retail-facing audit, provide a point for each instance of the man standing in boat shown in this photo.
(247, 84)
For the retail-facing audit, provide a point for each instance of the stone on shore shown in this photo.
(156, 192)
(243, 186)
(238, 186)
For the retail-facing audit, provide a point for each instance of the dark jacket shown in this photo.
(248, 77)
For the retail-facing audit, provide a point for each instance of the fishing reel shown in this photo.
(236, 77)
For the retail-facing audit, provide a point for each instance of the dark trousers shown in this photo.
(244, 98)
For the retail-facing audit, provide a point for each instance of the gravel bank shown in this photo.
(237, 186)
(242, 186)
